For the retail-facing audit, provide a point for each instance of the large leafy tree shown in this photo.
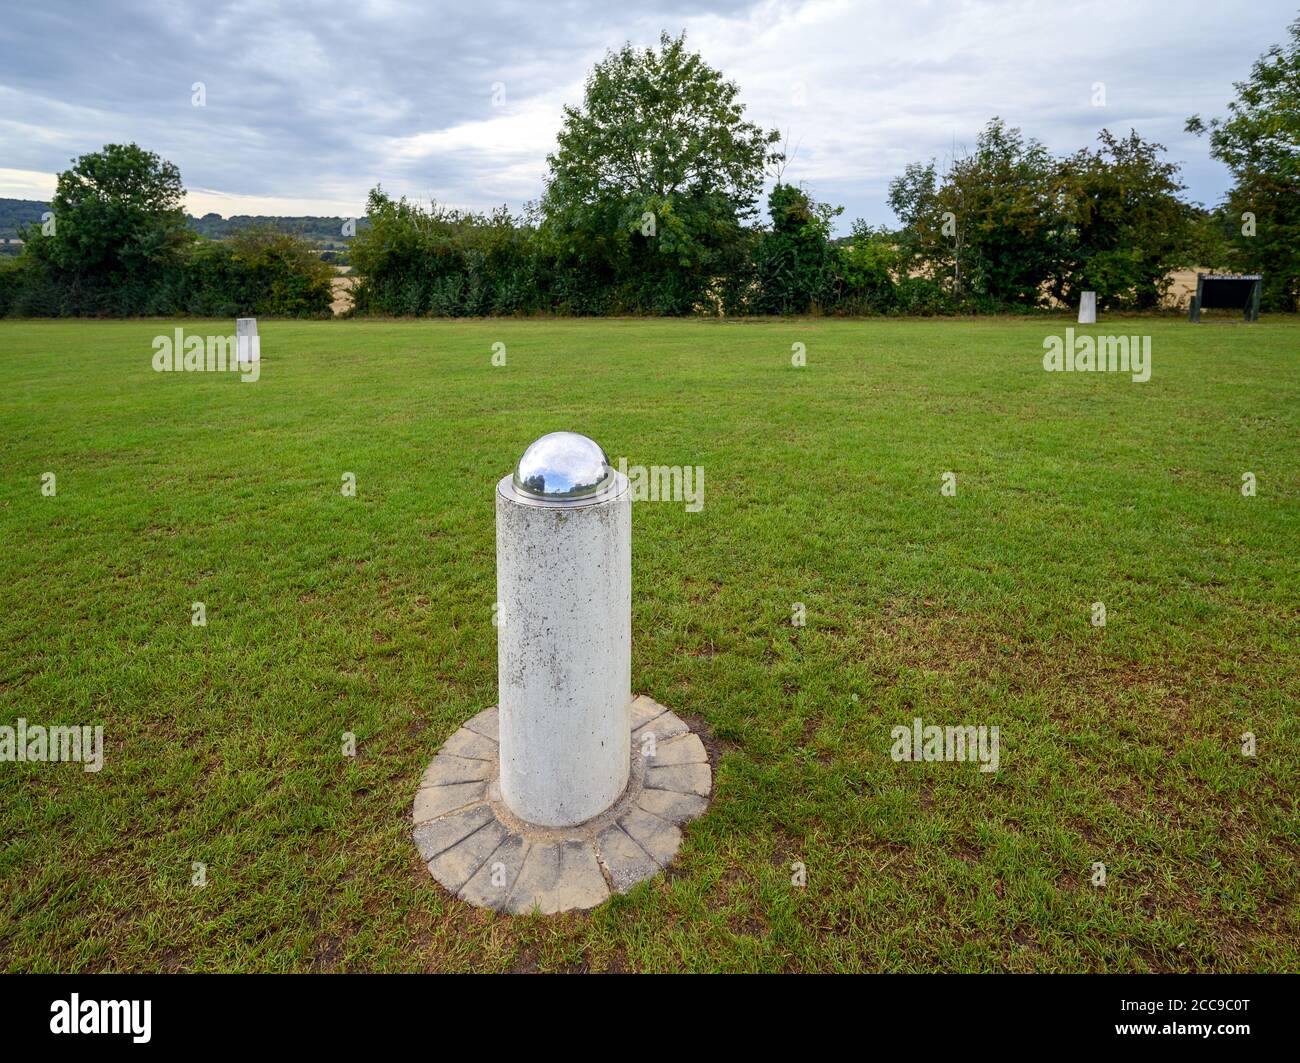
(1007, 207)
(796, 263)
(653, 176)
(1127, 225)
(991, 224)
(927, 244)
(117, 218)
(1259, 141)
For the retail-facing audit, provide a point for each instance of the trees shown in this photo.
(1007, 225)
(1126, 228)
(653, 176)
(869, 265)
(117, 219)
(992, 222)
(279, 273)
(118, 245)
(795, 263)
(1005, 199)
(446, 262)
(928, 243)
(1259, 141)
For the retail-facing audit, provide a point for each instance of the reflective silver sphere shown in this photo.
(561, 467)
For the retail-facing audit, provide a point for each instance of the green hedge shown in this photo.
(260, 273)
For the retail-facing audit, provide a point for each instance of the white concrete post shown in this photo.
(248, 348)
(564, 634)
(1088, 308)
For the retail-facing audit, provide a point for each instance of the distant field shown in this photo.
(372, 614)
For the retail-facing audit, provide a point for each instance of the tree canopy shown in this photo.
(653, 175)
(1259, 141)
(117, 214)
(651, 206)
(117, 243)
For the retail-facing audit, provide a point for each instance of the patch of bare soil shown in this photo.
(342, 286)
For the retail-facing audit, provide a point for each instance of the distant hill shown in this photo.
(15, 214)
(324, 233)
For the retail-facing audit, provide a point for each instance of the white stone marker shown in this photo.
(1088, 308)
(569, 790)
(248, 346)
(564, 636)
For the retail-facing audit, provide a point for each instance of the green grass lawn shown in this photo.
(373, 614)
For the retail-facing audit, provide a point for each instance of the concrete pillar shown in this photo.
(564, 634)
(248, 346)
(1088, 308)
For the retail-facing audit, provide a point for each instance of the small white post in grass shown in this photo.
(248, 346)
(564, 640)
(1088, 308)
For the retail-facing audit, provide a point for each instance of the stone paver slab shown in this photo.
(664, 727)
(644, 710)
(434, 801)
(474, 845)
(470, 745)
(491, 884)
(446, 769)
(486, 723)
(438, 835)
(626, 862)
(454, 867)
(685, 749)
(656, 836)
(684, 778)
(671, 805)
(558, 876)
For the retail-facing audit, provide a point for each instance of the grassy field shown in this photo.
(372, 614)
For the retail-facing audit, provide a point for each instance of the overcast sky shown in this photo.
(310, 104)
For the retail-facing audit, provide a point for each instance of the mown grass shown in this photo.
(372, 614)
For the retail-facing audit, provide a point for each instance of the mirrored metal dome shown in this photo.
(563, 468)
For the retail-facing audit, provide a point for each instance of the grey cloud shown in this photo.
(322, 100)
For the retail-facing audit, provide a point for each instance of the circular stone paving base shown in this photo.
(482, 852)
